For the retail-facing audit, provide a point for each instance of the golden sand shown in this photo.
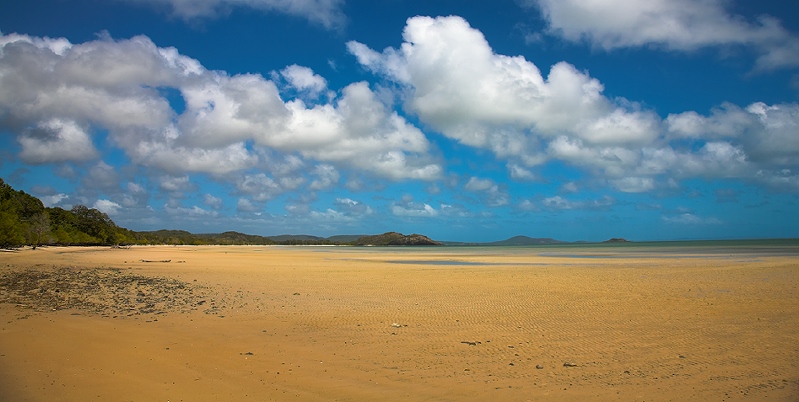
(355, 324)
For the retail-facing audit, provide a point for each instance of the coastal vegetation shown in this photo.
(24, 220)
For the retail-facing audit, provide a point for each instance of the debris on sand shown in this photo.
(109, 292)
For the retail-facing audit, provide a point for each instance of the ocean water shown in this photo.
(451, 255)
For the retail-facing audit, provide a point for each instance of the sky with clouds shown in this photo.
(462, 120)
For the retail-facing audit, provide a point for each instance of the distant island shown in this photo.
(616, 240)
(396, 239)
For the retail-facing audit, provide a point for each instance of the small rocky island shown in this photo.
(396, 239)
(616, 240)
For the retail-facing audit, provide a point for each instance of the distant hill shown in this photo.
(183, 237)
(396, 239)
(616, 240)
(524, 241)
(286, 237)
(344, 239)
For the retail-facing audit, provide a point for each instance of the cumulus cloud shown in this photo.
(245, 205)
(518, 172)
(459, 86)
(326, 177)
(494, 196)
(326, 13)
(360, 131)
(102, 176)
(194, 212)
(135, 195)
(54, 95)
(330, 215)
(455, 83)
(107, 206)
(558, 203)
(259, 186)
(352, 207)
(409, 208)
(766, 133)
(175, 184)
(213, 202)
(53, 200)
(634, 184)
(683, 25)
(56, 140)
(463, 89)
(303, 79)
(455, 210)
(757, 142)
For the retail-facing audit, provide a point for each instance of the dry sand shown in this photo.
(354, 324)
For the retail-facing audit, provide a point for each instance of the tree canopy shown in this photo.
(24, 220)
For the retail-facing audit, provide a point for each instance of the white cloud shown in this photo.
(634, 184)
(53, 200)
(228, 121)
(175, 184)
(454, 82)
(326, 13)
(56, 140)
(245, 205)
(213, 202)
(765, 133)
(351, 207)
(682, 25)
(326, 177)
(489, 190)
(518, 172)
(259, 186)
(135, 196)
(358, 131)
(482, 99)
(414, 210)
(304, 79)
(409, 208)
(107, 206)
(478, 184)
(194, 212)
(559, 203)
(458, 211)
(102, 176)
(331, 215)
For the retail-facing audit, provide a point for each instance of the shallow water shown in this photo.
(670, 249)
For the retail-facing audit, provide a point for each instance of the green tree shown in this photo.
(95, 224)
(39, 229)
(12, 232)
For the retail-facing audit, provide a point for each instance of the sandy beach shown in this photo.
(437, 324)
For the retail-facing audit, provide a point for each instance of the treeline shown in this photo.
(396, 239)
(24, 220)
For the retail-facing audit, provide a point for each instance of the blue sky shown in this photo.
(461, 120)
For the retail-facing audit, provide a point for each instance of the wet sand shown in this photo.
(438, 324)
